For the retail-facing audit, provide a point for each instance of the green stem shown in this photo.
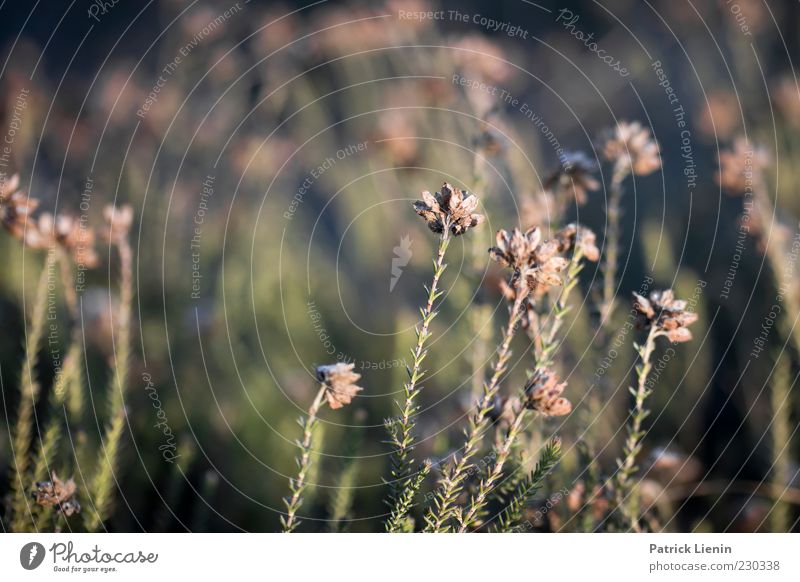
(29, 392)
(298, 484)
(611, 258)
(626, 496)
(401, 428)
(453, 483)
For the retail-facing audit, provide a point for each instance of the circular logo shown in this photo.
(31, 555)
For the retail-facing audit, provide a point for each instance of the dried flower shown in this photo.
(579, 237)
(15, 208)
(339, 380)
(57, 493)
(574, 178)
(451, 208)
(631, 146)
(543, 394)
(533, 260)
(118, 223)
(740, 166)
(67, 233)
(667, 314)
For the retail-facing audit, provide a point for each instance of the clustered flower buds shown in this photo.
(118, 224)
(574, 177)
(740, 165)
(58, 494)
(580, 238)
(668, 315)
(15, 208)
(63, 231)
(340, 383)
(449, 208)
(631, 146)
(534, 261)
(543, 393)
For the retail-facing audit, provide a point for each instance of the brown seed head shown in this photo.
(580, 238)
(451, 207)
(118, 223)
(339, 380)
(574, 179)
(631, 145)
(543, 394)
(669, 315)
(57, 493)
(741, 166)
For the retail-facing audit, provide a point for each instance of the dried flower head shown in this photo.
(574, 178)
(68, 234)
(15, 208)
(118, 223)
(340, 383)
(57, 493)
(631, 146)
(449, 208)
(580, 238)
(533, 260)
(740, 167)
(667, 314)
(543, 394)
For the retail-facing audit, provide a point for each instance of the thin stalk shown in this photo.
(627, 499)
(781, 433)
(298, 484)
(611, 255)
(512, 514)
(401, 428)
(104, 480)
(478, 501)
(443, 508)
(547, 344)
(29, 392)
(397, 520)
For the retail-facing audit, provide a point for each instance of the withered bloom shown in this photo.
(58, 494)
(580, 238)
(631, 146)
(533, 260)
(574, 177)
(340, 383)
(741, 166)
(118, 223)
(66, 232)
(15, 208)
(667, 314)
(543, 393)
(451, 208)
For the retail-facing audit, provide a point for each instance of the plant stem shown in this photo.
(478, 500)
(29, 392)
(453, 483)
(401, 428)
(611, 258)
(627, 499)
(297, 484)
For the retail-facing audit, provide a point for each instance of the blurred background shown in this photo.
(271, 152)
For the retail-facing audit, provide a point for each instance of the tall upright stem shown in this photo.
(298, 484)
